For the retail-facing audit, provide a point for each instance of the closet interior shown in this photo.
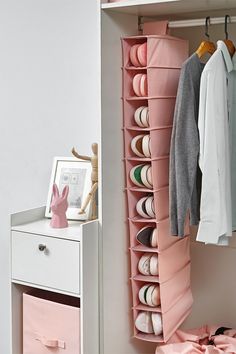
(212, 267)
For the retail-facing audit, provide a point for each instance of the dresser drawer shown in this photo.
(57, 266)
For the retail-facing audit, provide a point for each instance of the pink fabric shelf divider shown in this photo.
(165, 55)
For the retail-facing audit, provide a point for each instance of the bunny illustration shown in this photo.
(59, 206)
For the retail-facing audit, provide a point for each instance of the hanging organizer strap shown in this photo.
(51, 343)
(155, 28)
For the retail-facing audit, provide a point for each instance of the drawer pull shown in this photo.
(42, 247)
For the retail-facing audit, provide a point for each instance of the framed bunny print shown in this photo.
(76, 174)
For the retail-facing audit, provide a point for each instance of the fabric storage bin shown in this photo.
(51, 323)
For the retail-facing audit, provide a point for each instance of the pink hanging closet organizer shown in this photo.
(160, 74)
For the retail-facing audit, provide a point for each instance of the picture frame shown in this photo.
(77, 175)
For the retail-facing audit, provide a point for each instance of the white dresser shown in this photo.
(64, 261)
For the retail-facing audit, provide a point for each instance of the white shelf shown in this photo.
(167, 7)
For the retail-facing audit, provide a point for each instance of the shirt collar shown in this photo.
(227, 58)
(234, 61)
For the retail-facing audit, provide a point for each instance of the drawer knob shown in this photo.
(42, 247)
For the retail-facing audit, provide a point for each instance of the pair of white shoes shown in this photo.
(149, 322)
(148, 264)
(149, 295)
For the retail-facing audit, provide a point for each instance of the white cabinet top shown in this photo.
(167, 7)
(42, 227)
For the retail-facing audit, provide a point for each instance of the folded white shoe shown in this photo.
(157, 323)
(149, 322)
(143, 322)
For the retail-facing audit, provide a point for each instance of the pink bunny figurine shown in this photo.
(59, 206)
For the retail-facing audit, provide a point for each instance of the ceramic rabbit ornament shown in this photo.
(59, 206)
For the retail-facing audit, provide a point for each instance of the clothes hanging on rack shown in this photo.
(214, 160)
(185, 176)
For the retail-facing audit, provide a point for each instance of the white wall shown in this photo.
(49, 101)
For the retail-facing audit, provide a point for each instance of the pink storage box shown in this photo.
(51, 323)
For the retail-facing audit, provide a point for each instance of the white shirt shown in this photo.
(214, 159)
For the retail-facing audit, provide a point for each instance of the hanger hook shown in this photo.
(227, 17)
(207, 23)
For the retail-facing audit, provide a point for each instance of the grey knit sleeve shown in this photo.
(184, 156)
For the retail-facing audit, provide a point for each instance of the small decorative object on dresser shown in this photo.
(91, 197)
(68, 171)
(59, 206)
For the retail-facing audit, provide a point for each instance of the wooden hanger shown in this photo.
(206, 46)
(228, 42)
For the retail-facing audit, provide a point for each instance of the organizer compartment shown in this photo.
(161, 202)
(129, 110)
(170, 260)
(164, 239)
(127, 43)
(144, 336)
(136, 286)
(171, 291)
(128, 87)
(161, 111)
(159, 141)
(51, 323)
(160, 172)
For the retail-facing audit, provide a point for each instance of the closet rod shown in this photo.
(199, 22)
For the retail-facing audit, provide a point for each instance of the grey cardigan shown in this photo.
(184, 171)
